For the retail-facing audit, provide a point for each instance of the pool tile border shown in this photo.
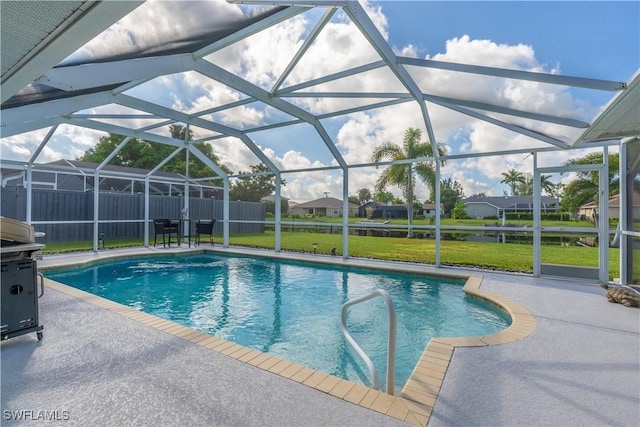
(417, 398)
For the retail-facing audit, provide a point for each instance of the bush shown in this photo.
(528, 216)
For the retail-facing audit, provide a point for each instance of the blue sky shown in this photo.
(594, 39)
(590, 39)
(566, 31)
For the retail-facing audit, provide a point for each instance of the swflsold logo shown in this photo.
(35, 415)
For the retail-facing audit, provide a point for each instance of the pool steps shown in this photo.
(391, 340)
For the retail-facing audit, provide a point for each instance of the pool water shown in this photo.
(292, 310)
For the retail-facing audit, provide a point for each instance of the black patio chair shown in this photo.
(205, 227)
(160, 228)
(166, 228)
(173, 227)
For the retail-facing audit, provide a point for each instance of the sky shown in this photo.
(592, 39)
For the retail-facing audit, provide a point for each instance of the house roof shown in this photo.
(614, 201)
(324, 202)
(511, 202)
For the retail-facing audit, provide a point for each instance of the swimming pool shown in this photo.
(292, 309)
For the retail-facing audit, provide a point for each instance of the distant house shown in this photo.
(329, 207)
(382, 210)
(590, 210)
(483, 207)
(429, 210)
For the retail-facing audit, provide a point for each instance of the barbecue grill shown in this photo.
(19, 280)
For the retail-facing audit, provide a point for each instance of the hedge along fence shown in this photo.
(128, 209)
(528, 216)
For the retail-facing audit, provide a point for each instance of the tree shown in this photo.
(364, 195)
(254, 188)
(557, 191)
(525, 188)
(483, 194)
(512, 178)
(585, 189)
(383, 196)
(128, 156)
(546, 185)
(180, 132)
(450, 192)
(197, 169)
(594, 159)
(459, 210)
(354, 200)
(403, 175)
(142, 154)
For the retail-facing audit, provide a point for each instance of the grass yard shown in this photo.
(508, 257)
(499, 256)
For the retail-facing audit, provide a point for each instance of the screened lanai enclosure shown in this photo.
(309, 90)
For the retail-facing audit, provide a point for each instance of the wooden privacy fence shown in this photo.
(121, 215)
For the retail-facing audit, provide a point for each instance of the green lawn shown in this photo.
(511, 257)
(508, 257)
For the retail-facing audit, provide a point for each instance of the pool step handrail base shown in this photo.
(391, 344)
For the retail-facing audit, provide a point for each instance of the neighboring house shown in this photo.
(329, 207)
(590, 210)
(382, 210)
(73, 175)
(482, 207)
(429, 210)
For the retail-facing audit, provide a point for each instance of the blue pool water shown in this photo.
(292, 310)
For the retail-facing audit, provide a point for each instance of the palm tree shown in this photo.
(364, 195)
(546, 185)
(585, 189)
(403, 175)
(512, 178)
(525, 188)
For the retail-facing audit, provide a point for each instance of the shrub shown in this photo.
(546, 216)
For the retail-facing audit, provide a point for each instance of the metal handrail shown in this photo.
(391, 345)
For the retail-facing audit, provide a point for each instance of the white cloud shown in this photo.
(169, 21)
(261, 59)
(67, 142)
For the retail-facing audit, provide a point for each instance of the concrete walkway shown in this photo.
(580, 367)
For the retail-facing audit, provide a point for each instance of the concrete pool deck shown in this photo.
(107, 366)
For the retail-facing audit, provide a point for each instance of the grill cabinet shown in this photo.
(18, 280)
(19, 298)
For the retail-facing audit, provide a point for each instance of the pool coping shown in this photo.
(418, 396)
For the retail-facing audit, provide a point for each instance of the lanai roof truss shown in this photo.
(67, 93)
